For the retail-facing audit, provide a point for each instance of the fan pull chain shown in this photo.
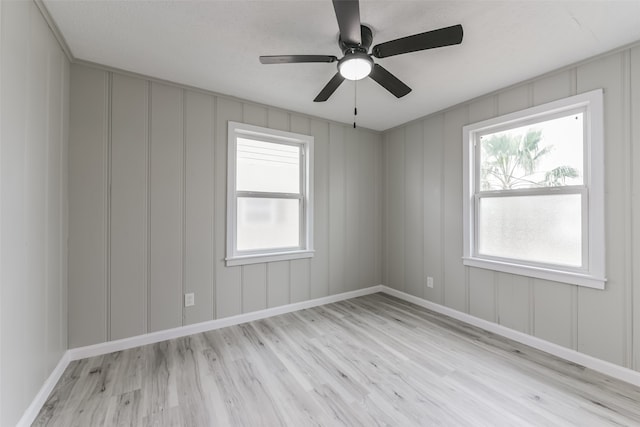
(355, 102)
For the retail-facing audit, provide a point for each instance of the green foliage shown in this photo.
(510, 162)
(558, 176)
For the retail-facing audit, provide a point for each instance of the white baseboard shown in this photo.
(602, 366)
(32, 411)
(154, 337)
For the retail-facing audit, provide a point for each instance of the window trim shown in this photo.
(305, 142)
(592, 274)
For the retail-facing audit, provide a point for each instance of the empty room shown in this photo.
(319, 213)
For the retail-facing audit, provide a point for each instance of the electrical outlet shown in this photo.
(429, 282)
(189, 299)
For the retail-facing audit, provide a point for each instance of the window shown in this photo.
(269, 195)
(534, 192)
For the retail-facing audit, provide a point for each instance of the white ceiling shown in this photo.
(215, 45)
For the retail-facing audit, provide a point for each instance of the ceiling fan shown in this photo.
(355, 40)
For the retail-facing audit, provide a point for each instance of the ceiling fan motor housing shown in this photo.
(366, 40)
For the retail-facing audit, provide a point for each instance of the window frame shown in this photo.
(592, 272)
(305, 196)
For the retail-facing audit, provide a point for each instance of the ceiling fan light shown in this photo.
(355, 67)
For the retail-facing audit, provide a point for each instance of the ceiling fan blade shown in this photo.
(291, 59)
(348, 15)
(389, 81)
(431, 39)
(331, 87)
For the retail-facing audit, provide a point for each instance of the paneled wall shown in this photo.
(422, 224)
(34, 85)
(147, 178)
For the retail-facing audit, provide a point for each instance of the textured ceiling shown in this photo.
(215, 45)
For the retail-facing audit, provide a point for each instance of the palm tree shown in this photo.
(510, 161)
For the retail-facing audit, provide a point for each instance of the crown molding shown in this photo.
(54, 29)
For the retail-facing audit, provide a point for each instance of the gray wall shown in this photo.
(34, 87)
(147, 208)
(422, 218)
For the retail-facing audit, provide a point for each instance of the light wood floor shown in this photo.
(369, 361)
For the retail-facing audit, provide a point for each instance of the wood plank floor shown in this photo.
(369, 361)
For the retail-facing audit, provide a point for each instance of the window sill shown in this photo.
(537, 272)
(271, 257)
